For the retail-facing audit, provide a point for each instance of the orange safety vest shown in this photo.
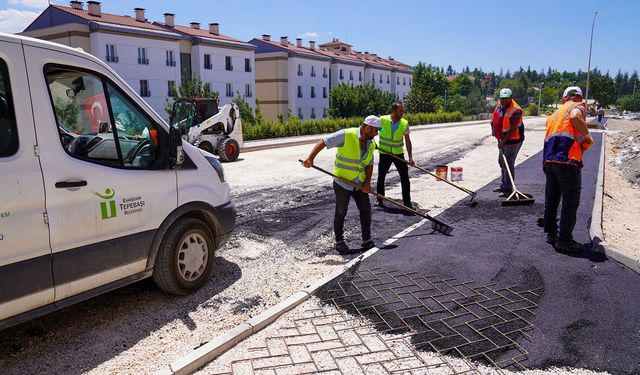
(562, 141)
(513, 108)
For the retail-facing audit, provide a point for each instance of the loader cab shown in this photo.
(190, 112)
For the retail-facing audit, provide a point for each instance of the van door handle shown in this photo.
(70, 184)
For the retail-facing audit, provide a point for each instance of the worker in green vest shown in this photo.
(393, 137)
(354, 162)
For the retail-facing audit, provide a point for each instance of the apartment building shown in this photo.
(226, 63)
(291, 77)
(153, 57)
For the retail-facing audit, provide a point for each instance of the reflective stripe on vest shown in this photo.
(562, 141)
(392, 143)
(513, 108)
(348, 164)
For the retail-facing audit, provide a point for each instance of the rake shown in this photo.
(473, 194)
(436, 224)
(516, 198)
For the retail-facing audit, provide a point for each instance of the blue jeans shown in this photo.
(511, 152)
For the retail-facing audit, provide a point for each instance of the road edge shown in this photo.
(595, 229)
(225, 341)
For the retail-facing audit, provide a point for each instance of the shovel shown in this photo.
(471, 193)
(436, 224)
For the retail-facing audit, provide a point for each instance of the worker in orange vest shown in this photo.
(508, 129)
(567, 137)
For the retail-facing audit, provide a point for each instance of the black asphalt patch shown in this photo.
(587, 309)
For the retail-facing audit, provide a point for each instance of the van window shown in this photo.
(8, 128)
(86, 115)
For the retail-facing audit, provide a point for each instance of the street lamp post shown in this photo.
(589, 65)
(540, 98)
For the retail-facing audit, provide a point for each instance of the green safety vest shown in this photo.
(349, 165)
(392, 143)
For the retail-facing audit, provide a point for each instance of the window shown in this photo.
(228, 63)
(171, 88)
(351, 75)
(8, 125)
(299, 91)
(300, 69)
(380, 78)
(409, 82)
(229, 90)
(207, 62)
(313, 71)
(324, 92)
(313, 112)
(142, 56)
(111, 56)
(324, 112)
(171, 61)
(144, 88)
(387, 79)
(126, 137)
(341, 75)
(360, 76)
(313, 92)
(300, 113)
(324, 72)
(404, 81)
(247, 90)
(247, 65)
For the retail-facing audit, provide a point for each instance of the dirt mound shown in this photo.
(626, 155)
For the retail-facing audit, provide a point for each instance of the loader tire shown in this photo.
(207, 147)
(228, 150)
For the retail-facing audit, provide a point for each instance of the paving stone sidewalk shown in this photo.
(492, 298)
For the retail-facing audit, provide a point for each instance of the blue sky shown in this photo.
(487, 34)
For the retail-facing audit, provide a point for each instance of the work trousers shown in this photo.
(511, 152)
(564, 182)
(403, 169)
(342, 205)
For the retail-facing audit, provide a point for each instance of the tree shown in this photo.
(461, 85)
(363, 100)
(549, 96)
(450, 71)
(428, 84)
(604, 90)
(191, 88)
(629, 103)
(246, 113)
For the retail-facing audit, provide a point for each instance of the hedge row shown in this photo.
(294, 126)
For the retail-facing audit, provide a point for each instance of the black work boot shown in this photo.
(342, 247)
(368, 244)
(552, 238)
(568, 247)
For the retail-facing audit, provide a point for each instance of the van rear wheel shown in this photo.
(185, 257)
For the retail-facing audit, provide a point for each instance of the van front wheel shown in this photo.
(185, 257)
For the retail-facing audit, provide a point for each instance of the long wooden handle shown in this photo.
(429, 173)
(358, 187)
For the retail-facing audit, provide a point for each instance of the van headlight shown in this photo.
(215, 163)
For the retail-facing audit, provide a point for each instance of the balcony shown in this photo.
(143, 61)
(313, 74)
(145, 93)
(248, 69)
(300, 73)
(229, 67)
(171, 63)
(113, 59)
(208, 66)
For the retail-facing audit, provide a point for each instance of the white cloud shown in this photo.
(308, 35)
(15, 21)
(329, 33)
(36, 4)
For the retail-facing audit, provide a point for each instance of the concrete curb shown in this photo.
(309, 139)
(595, 230)
(220, 344)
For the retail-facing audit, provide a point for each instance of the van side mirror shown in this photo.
(176, 153)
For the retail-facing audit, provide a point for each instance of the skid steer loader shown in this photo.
(218, 131)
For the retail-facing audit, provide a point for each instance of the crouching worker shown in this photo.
(354, 162)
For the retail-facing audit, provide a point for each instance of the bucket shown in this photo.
(456, 173)
(441, 171)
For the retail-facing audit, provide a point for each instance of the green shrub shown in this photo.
(293, 126)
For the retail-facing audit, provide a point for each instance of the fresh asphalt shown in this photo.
(588, 307)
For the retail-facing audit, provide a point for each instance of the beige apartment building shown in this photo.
(296, 78)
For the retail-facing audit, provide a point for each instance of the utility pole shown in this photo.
(540, 98)
(589, 65)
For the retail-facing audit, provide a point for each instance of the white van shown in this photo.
(96, 190)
